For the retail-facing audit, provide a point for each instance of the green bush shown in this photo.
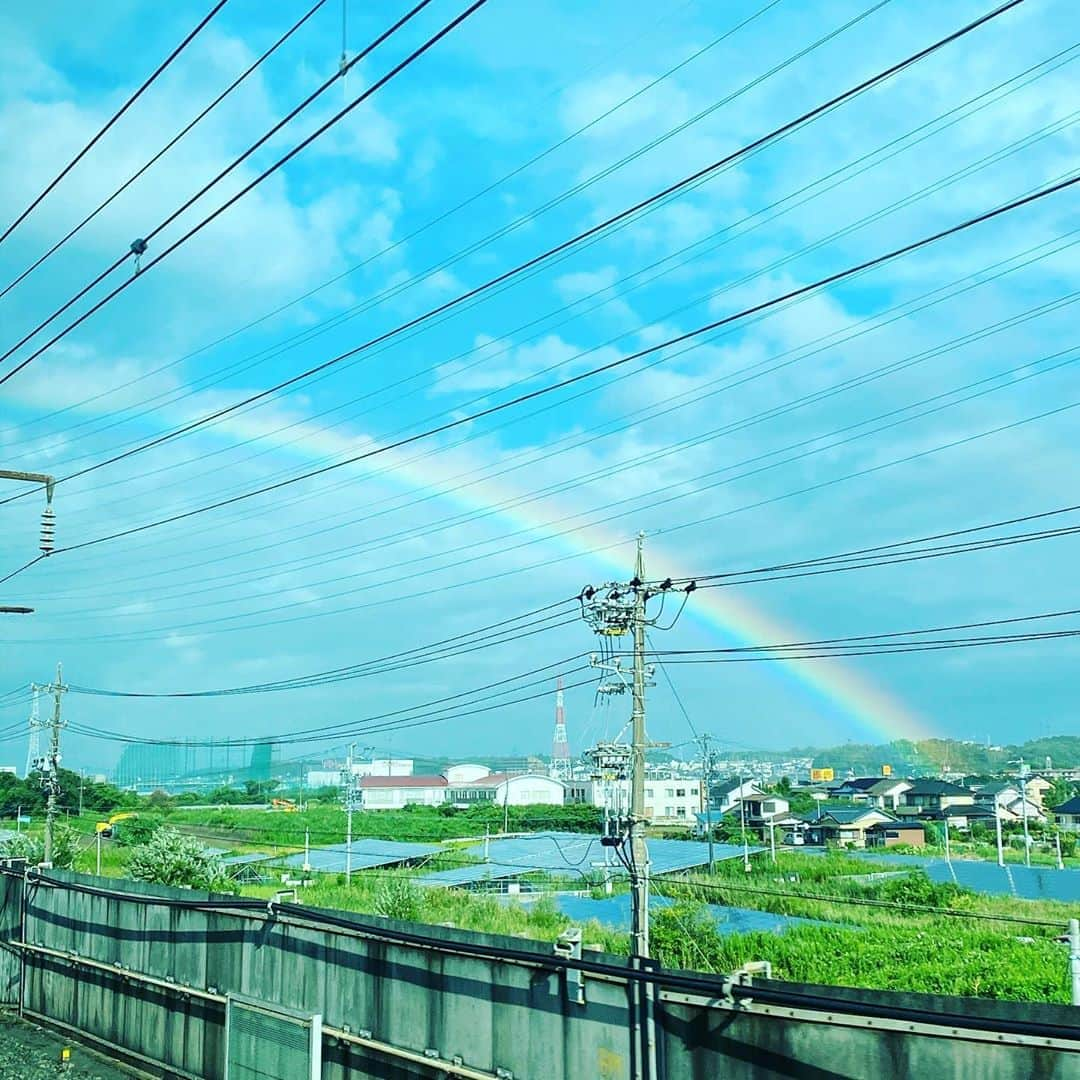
(136, 830)
(168, 858)
(32, 848)
(398, 898)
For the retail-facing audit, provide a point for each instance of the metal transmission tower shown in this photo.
(33, 749)
(615, 610)
(560, 747)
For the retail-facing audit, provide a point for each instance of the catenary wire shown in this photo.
(734, 285)
(820, 283)
(233, 199)
(252, 67)
(383, 251)
(869, 324)
(149, 81)
(663, 194)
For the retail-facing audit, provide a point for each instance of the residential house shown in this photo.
(1067, 815)
(884, 792)
(936, 795)
(891, 833)
(726, 796)
(852, 786)
(845, 825)
(669, 800)
(1004, 799)
(395, 792)
(672, 801)
(1036, 788)
(761, 809)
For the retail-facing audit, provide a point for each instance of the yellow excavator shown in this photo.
(105, 828)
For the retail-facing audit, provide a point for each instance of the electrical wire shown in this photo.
(267, 172)
(820, 283)
(409, 657)
(867, 326)
(398, 720)
(884, 649)
(112, 120)
(1013, 375)
(257, 63)
(397, 243)
(700, 174)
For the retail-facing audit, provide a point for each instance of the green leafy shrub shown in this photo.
(398, 898)
(168, 858)
(32, 848)
(135, 831)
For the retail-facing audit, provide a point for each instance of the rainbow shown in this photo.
(878, 715)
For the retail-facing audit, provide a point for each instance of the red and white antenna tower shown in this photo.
(560, 747)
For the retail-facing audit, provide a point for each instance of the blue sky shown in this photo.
(359, 233)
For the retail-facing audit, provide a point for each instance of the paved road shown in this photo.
(29, 1053)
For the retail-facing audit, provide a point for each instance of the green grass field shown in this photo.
(901, 932)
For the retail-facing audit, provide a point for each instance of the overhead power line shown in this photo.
(1013, 376)
(112, 120)
(508, 630)
(443, 709)
(430, 712)
(884, 649)
(820, 283)
(867, 325)
(665, 193)
(404, 239)
(257, 63)
(140, 245)
(486, 357)
(859, 639)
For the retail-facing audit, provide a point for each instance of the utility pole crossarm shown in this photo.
(48, 516)
(31, 478)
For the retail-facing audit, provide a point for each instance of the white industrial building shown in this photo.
(461, 786)
(668, 800)
(396, 792)
(502, 789)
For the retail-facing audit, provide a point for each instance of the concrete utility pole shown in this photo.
(1074, 959)
(706, 779)
(1023, 810)
(349, 781)
(639, 852)
(615, 610)
(51, 779)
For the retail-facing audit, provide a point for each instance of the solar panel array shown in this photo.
(572, 854)
(366, 853)
(244, 860)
